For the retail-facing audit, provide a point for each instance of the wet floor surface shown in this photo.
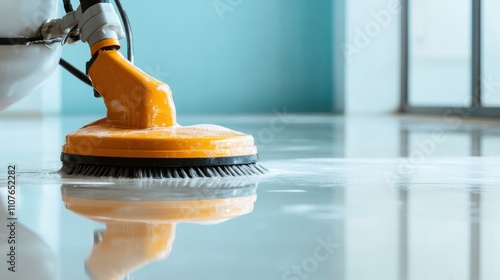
(346, 198)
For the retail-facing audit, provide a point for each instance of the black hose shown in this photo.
(77, 73)
(25, 41)
(128, 31)
(67, 6)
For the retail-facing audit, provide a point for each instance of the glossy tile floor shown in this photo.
(347, 198)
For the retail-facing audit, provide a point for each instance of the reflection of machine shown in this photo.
(140, 136)
(140, 225)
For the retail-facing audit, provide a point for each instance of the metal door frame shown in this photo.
(476, 109)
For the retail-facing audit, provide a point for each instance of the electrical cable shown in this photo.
(68, 66)
(128, 34)
(26, 41)
(128, 31)
(67, 6)
(77, 73)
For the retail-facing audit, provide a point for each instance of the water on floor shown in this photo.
(346, 198)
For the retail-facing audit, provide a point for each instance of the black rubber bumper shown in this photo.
(158, 162)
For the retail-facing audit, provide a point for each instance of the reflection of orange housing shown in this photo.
(138, 232)
(196, 211)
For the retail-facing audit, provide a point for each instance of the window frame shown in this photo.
(476, 109)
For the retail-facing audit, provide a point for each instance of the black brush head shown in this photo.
(161, 168)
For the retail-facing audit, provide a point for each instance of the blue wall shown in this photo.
(255, 56)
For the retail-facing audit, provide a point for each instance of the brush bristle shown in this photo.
(163, 172)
